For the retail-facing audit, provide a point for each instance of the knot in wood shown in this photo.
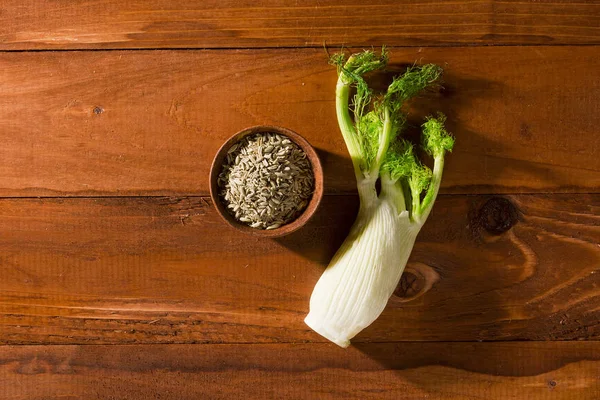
(497, 215)
(417, 279)
(410, 285)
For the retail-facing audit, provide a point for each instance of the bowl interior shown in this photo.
(310, 209)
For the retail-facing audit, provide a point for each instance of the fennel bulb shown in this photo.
(361, 277)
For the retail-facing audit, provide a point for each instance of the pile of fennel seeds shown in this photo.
(266, 180)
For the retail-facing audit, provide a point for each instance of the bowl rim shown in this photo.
(310, 209)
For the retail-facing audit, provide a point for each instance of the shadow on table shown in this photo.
(449, 369)
(478, 148)
(320, 238)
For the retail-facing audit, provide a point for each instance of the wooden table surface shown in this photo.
(119, 281)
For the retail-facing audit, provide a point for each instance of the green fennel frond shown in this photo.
(410, 84)
(361, 99)
(400, 160)
(419, 180)
(436, 140)
(338, 59)
(402, 89)
(352, 69)
(401, 165)
(369, 127)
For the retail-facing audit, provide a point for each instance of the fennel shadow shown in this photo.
(464, 235)
(452, 297)
(451, 256)
(320, 238)
(451, 293)
(338, 173)
(434, 369)
(495, 143)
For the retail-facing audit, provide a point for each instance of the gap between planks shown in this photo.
(325, 47)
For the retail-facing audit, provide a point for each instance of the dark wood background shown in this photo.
(119, 281)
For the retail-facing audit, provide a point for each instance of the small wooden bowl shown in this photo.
(310, 209)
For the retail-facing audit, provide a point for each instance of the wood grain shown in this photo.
(411, 371)
(167, 270)
(150, 122)
(115, 265)
(106, 24)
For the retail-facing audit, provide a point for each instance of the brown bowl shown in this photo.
(310, 209)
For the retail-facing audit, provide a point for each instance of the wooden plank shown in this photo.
(141, 122)
(167, 270)
(216, 24)
(411, 371)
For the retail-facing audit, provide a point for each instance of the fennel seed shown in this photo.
(266, 180)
